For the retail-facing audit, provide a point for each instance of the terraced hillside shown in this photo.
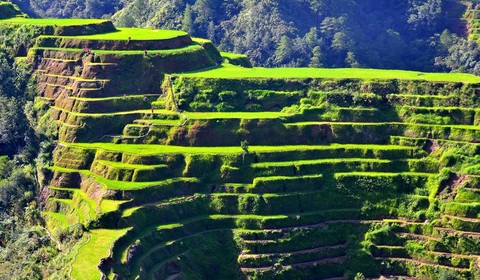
(472, 19)
(232, 172)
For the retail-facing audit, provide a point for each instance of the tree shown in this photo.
(284, 50)
(311, 38)
(351, 60)
(13, 126)
(316, 59)
(187, 20)
(424, 14)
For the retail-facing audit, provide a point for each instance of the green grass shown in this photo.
(122, 165)
(74, 214)
(383, 174)
(108, 205)
(80, 196)
(59, 217)
(320, 161)
(85, 264)
(150, 149)
(228, 71)
(52, 21)
(158, 122)
(139, 34)
(156, 112)
(120, 185)
(232, 55)
(457, 126)
(201, 40)
(235, 115)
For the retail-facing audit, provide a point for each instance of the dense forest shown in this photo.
(401, 34)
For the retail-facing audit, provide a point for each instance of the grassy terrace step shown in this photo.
(77, 52)
(235, 115)
(185, 58)
(105, 105)
(264, 152)
(236, 59)
(425, 229)
(158, 122)
(93, 251)
(129, 172)
(380, 132)
(466, 210)
(80, 200)
(304, 167)
(55, 220)
(285, 184)
(440, 115)
(236, 72)
(462, 224)
(393, 251)
(68, 207)
(420, 263)
(440, 258)
(453, 126)
(121, 185)
(156, 112)
(122, 38)
(135, 34)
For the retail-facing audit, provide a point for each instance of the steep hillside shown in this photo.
(234, 172)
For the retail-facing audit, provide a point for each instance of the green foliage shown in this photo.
(8, 10)
(70, 8)
(236, 72)
(308, 33)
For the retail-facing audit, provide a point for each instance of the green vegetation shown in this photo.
(123, 52)
(142, 149)
(237, 72)
(51, 21)
(135, 34)
(97, 247)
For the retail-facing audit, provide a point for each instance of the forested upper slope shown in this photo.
(406, 34)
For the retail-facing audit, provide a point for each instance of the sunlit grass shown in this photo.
(96, 248)
(228, 71)
(151, 149)
(52, 21)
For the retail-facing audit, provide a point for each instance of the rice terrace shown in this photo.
(173, 160)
